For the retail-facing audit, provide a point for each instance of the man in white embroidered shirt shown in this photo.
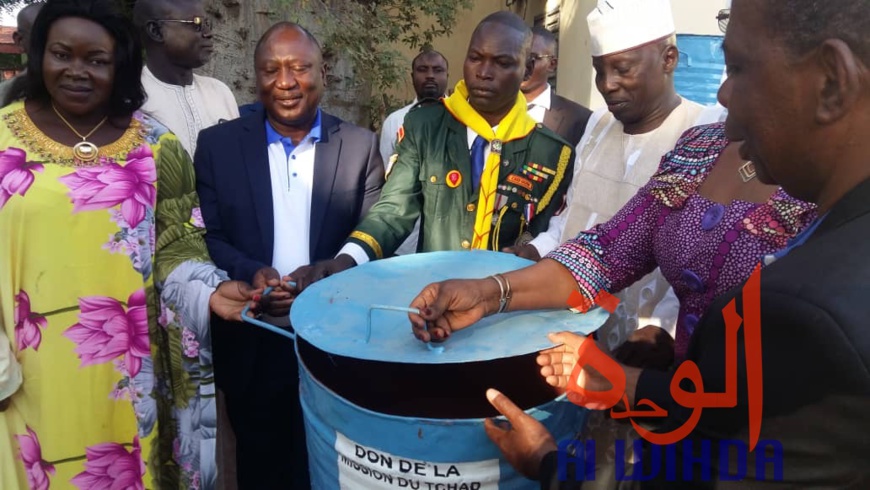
(634, 55)
(177, 37)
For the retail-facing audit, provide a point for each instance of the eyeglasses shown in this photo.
(197, 22)
(723, 17)
(535, 57)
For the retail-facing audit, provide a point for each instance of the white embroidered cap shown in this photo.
(620, 25)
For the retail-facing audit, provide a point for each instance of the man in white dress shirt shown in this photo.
(564, 117)
(177, 37)
(429, 75)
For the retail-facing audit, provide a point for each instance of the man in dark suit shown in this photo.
(279, 189)
(251, 108)
(799, 382)
(562, 116)
(809, 135)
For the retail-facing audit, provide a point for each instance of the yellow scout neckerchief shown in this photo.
(516, 125)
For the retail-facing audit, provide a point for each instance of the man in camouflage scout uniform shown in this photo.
(476, 168)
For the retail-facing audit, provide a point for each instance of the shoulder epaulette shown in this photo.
(541, 129)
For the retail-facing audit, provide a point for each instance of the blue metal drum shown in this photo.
(385, 411)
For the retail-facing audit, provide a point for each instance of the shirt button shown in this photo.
(293, 157)
(692, 281)
(690, 322)
(712, 217)
(466, 244)
(470, 207)
(433, 179)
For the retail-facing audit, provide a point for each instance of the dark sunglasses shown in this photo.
(723, 17)
(536, 57)
(197, 22)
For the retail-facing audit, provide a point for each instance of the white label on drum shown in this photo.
(365, 467)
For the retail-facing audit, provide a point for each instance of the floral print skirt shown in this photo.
(104, 286)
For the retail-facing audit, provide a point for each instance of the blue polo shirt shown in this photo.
(272, 136)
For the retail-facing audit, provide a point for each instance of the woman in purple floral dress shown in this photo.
(703, 218)
(705, 235)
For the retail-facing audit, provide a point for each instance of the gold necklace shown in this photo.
(84, 151)
(747, 171)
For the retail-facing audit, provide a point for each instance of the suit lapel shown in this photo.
(326, 160)
(256, 157)
(854, 204)
(553, 117)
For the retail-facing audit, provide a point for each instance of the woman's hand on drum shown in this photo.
(452, 305)
(231, 297)
(558, 362)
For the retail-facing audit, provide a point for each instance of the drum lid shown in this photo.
(332, 314)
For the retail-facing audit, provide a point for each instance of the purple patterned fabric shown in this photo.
(703, 248)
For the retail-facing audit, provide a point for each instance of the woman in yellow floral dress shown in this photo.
(105, 283)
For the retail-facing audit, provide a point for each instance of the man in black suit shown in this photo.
(804, 332)
(562, 116)
(279, 189)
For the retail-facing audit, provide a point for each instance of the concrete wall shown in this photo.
(697, 16)
(453, 47)
(575, 78)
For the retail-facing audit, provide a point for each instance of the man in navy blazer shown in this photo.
(279, 189)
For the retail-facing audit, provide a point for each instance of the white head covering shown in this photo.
(620, 25)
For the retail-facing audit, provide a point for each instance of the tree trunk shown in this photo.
(238, 24)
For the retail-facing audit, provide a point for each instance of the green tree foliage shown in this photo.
(366, 34)
(360, 36)
(8, 5)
